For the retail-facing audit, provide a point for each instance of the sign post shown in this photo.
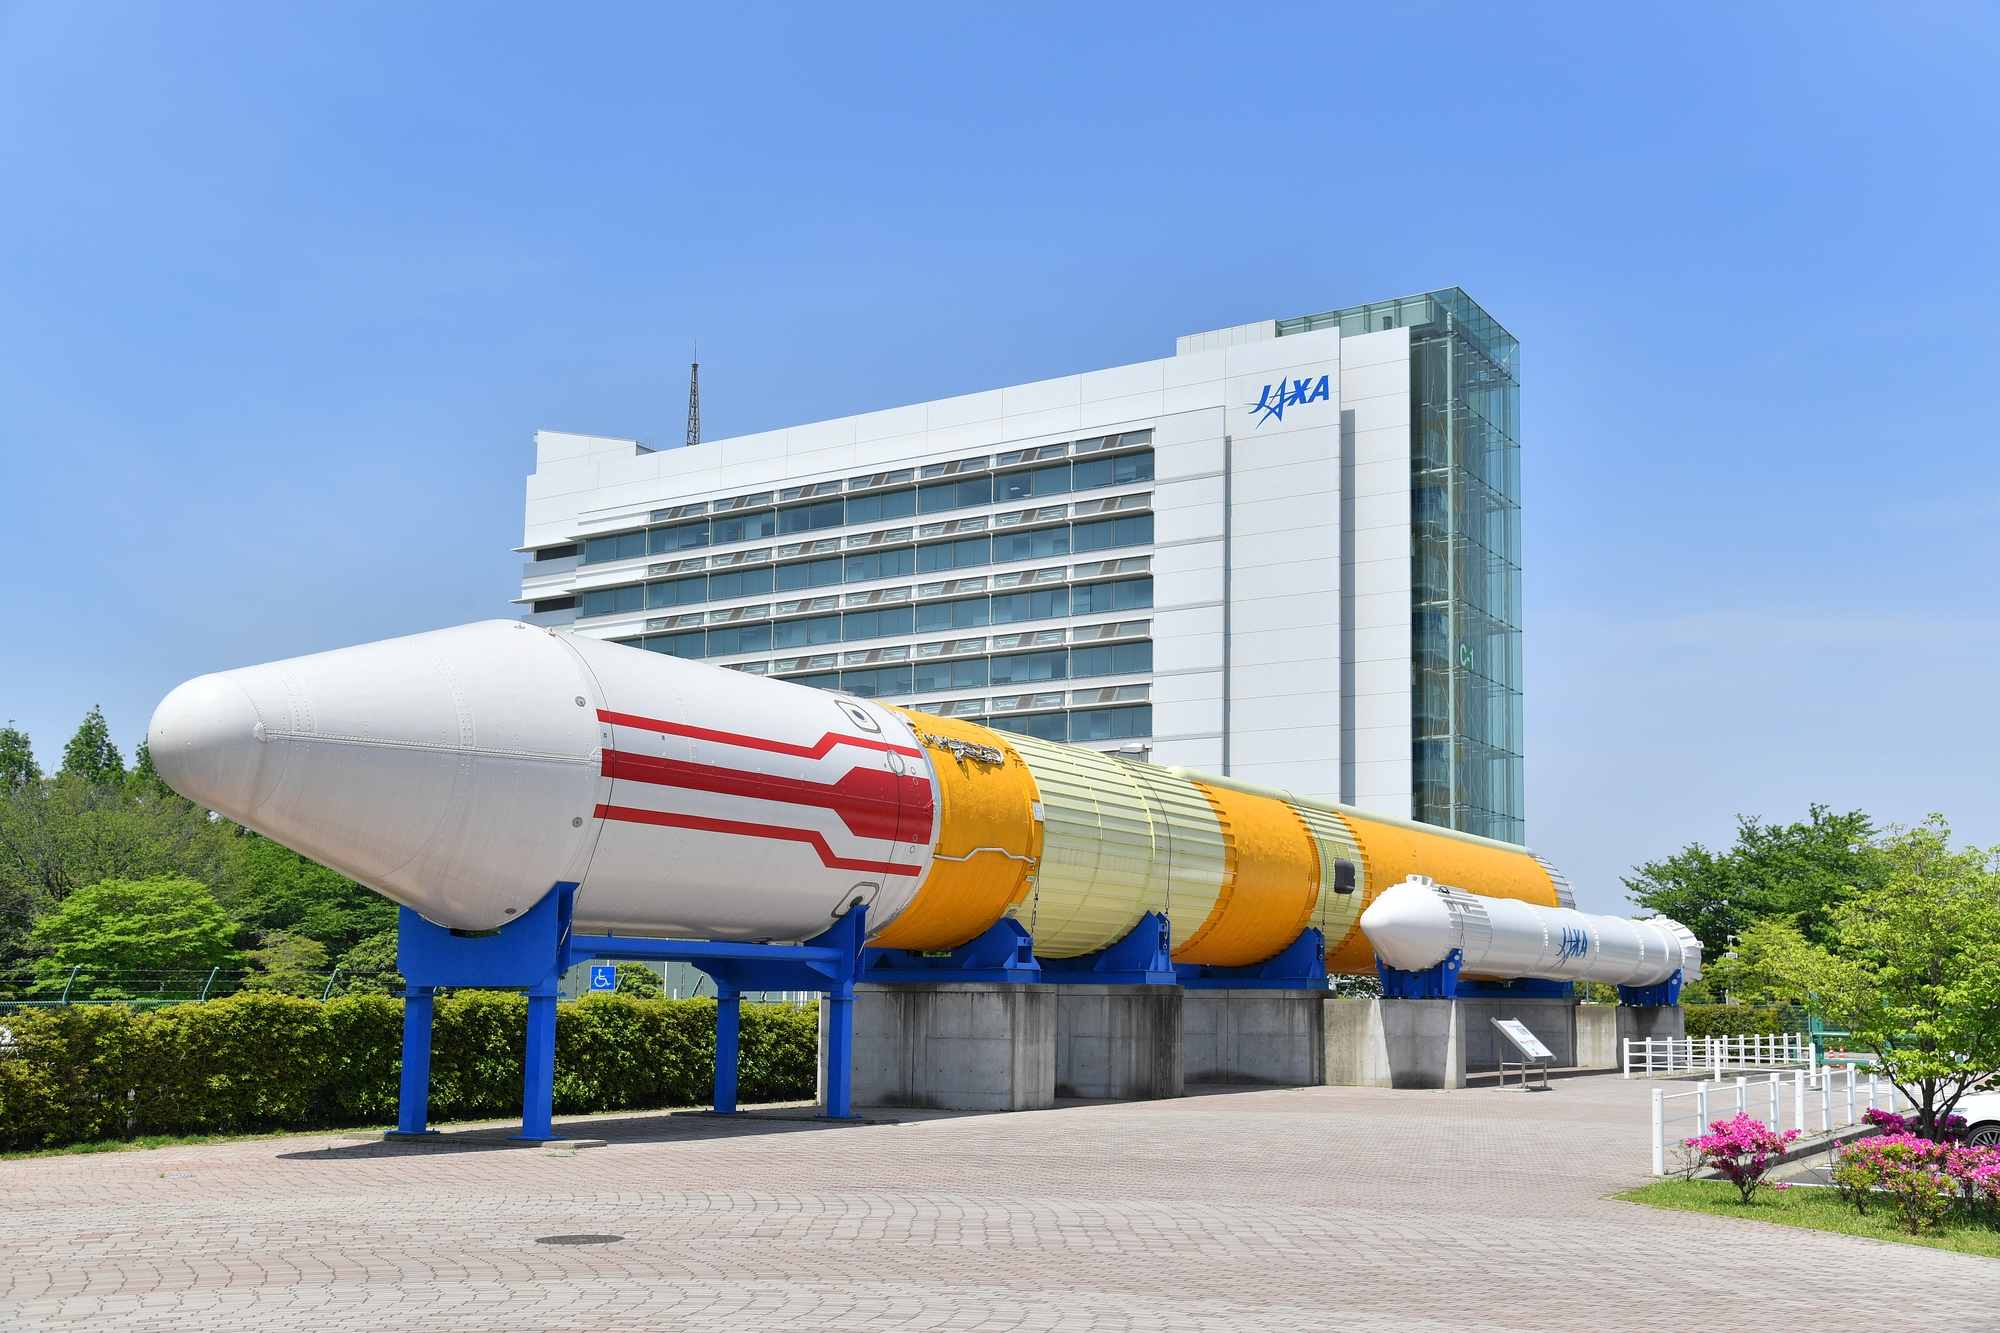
(1533, 1053)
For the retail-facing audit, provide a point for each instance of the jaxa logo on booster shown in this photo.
(1277, 397)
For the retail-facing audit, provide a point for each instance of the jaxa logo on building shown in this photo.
(1290, 393)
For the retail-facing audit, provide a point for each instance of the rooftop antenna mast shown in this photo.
(694, 397)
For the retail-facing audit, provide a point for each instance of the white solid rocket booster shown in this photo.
(1416, 924)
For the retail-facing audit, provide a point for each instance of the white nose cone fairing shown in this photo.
(465, 772)
(455, 772)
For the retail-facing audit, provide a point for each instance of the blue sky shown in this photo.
(288, 288)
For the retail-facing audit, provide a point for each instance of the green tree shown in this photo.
(90, 755)
(639, 982)
(163, 923)
(1697, 888)
(274, 888)
(58, 836)
(369, 968)
(17, 759)
(1798, 871)
(289, 964)
(1913, 969)
(144, 775)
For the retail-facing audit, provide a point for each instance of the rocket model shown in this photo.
(464, 772)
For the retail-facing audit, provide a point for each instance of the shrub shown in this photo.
(261, 1060)
(365, 1035)
(240, 1063)
(1950, 1129)
(1744, 1149)
(779, 1053)
(66, 1078)
(1977, 1173)
(1740, 1020)
(1920, 1178)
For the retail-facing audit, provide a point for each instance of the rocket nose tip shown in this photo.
(207, 742)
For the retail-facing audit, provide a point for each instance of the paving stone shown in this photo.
(1307, 1209)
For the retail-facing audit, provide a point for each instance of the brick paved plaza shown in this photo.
(1321, 1208)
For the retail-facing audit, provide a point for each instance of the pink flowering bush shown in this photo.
(1920, 1178)
(1976, 1173)
(1951, 1128)
(1743, 1149)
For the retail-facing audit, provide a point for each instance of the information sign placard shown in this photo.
(1524, 1041)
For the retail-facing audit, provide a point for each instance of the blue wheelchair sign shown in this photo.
(603, 976)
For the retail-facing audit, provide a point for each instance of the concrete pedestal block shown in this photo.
(1271, 1037)
(1639, 1021)
(963, 1046)
(1121, 1042)
(1551, 1018)
(1395, 1043)
(1597, 1045)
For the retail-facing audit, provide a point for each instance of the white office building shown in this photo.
(1289, 553)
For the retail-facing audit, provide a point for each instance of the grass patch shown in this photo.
(148, 1142)
(1813, 1209)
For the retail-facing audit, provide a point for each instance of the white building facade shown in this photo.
(1289, 553)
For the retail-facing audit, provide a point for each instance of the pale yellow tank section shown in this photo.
(1108, 844)
(1337, 915)
(1189, 858)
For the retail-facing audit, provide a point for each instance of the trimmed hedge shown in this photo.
(1742, 1020)
(266, 1061)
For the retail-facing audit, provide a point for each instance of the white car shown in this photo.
(1982, 1117)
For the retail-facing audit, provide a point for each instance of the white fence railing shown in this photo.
(1646, 1057)
(1813, 1101)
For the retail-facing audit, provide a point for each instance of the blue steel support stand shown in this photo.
(728, 1042)
(1139, 959)
(1003, 953)
(1433, 983)
(840, 1054)
(1665, 993)
(538, 1068)
(1443, 982)
(1301, 966)
(414, 1103)
(533, 951)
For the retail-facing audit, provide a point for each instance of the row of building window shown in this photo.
(1093, 724)
(957, 614)
(1026, 669)
(893, 562)
(955, 673)
(928, 498)
(1075, 726)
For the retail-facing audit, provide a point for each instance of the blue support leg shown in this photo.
(1667, 992)
(1142, 958)
(538, 1069)
(839, 1055)
(728, 1032)
(1438, 982)
(413, 1107)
